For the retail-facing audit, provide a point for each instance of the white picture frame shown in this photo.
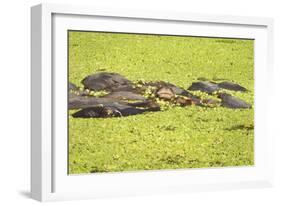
(49, 179)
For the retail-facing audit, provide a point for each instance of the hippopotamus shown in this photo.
(211, 87)
(233, 102)
(153, 105)
(111, 110)
(231, 86)
(160, 84)
(204, 86)
(107, 81)
(125, 95)
(78, 102)
(168, 91)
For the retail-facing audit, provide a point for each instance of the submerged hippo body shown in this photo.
(204, 86)
(148, 104)
(78, 102)
(123, 95)
(107, 81)
(233, 102)
(166, 90)
(231, 86)
(110, 110)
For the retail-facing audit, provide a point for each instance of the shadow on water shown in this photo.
(241, 127)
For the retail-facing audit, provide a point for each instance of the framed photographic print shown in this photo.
(137, 102)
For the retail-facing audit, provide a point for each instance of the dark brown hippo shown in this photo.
(125, 95)
(111, 110)
(98, 111)
(107, 81)
(153, 105)
(211, 87)
(233, 102)
(78, 102)
(204, 86)
(231, 86)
